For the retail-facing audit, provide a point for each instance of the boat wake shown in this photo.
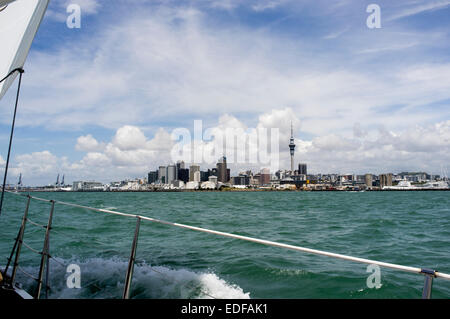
(104, 278)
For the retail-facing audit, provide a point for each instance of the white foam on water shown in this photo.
(104, 278)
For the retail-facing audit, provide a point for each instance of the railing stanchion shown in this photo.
(428, 283)
(45, 251)
(20, 241)
(129, 277)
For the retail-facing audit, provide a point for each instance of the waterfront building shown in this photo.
(192, 169)
(368, 180)
(192, 185)
(180, 165)
(87, 186)
(361, 178)
(385, 180)
(171, 174)
(182, 172)
(77, 186)
(223, 174)
(162, 175)
(179, 184)
(242, 180)
(205, 175)
(255, 180)
(208, 185)
(279, 174)
(309, 178)
(416, 177)
(152, 177)
(302, 169)
(264, 177)
(213, 179)
(131, 185)
(197, 177)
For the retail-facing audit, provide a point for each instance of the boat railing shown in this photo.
(429, 274)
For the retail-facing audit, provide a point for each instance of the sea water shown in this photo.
(407, 228)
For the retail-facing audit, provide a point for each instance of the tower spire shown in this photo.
(292, 149)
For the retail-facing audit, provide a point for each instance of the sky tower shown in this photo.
(292, 149)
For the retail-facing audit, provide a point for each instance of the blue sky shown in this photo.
(100, 102)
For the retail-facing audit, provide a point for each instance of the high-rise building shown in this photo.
(192, 169)
(171, 174)
(385, 180)
(183, 174)
(302, 169)
(279, 174)
(265, 177)
(240, 180)
(204, 175)
(197, 176)
(180, 165)
(162, 175)
(368, 180)
(255, 180)
(152, 177)
(223, 174)
(292, 149)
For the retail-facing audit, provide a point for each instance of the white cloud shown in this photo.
(333, 142)
(429, 6)
(433, 139)
(266, 5)
(417, 148)
(358, 131)
(36, 164)
(95, 159)
(185, 68)
(129, 138)
(161, 142)
(58, 12)
(281, 119)
(224, 4)
(392, 47)
(129, 154)
(336, 34)
(87, 6)
(87, 143)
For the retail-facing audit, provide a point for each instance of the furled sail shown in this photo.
(19, 22)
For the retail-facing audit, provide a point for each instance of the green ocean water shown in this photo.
(408, 228)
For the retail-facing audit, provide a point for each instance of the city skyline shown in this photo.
(361, 100)
(189, 171)
(171, 171)
(181, 177)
